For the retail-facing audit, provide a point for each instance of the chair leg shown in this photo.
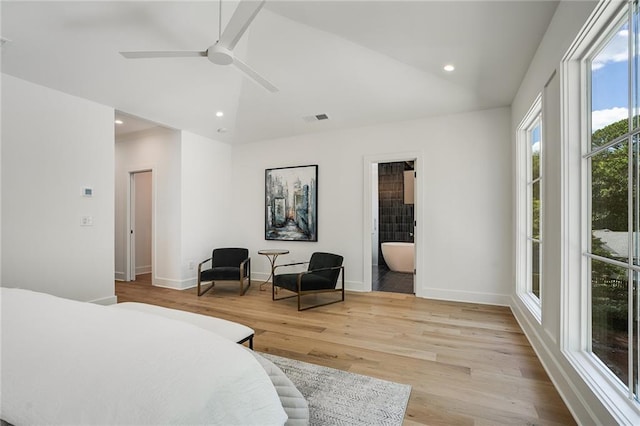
(323, 304)
(243, 290)
(243, 277)
(200, 292)
(327, 303)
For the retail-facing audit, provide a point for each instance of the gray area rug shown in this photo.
(338, 397)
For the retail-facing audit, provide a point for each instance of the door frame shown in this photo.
(418, 215)
(130, 264)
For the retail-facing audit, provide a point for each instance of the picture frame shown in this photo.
(291, 203)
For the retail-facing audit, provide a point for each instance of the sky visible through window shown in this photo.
(535, 139)
(609, 102)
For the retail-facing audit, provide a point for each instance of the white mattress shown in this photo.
(74, 363)
(229, 329)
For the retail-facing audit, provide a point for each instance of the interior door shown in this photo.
(140, 224)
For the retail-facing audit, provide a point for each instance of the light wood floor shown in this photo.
(467, 364)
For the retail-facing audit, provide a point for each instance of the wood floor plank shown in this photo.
(467, 364)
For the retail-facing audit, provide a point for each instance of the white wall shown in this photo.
(157, 149)
(210, 203)
(466, 184)
(543, 77)
(0, 188)
(143, 221)
(53, 144)
(193, 207)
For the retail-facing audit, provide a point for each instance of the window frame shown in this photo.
(524, 209)
(575, 329)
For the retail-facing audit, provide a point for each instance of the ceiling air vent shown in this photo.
(318, 117)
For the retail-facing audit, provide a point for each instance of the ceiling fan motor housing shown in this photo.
(220, 55)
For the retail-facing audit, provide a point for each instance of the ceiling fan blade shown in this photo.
(254, 75)
(163, 54)
(239, 22)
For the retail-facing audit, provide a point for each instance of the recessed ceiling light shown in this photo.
(449, 68)
(119, 122)
(219, 114)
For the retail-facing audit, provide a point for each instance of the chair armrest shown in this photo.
(323, 269)
(245, 266)
(202, 263)
(289, 264)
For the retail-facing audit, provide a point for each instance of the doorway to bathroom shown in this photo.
(391, 236)
(392, 245)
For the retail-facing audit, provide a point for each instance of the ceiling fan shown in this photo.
(221, 53)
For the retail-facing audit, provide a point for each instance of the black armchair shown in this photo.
(320, 277)
(227, 264)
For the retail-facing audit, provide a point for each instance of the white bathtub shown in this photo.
(399, 257)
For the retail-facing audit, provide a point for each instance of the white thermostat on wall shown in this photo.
(87, 191)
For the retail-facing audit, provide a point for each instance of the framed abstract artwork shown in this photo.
(291, 203)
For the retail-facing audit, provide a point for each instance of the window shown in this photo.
(534, 205)
(611, 158)
(601, 207)
(529, 152)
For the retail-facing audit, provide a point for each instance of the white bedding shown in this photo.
(74, 363)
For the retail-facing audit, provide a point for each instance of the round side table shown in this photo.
(272, 255)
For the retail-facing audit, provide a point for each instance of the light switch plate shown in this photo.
(86, 221)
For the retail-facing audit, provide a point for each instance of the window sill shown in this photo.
(612, 394)
(533, 305)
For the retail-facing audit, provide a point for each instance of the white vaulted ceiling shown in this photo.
(359, 62)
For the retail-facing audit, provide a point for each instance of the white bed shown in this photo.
(69, 362)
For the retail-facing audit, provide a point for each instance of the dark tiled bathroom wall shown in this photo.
(395, 217)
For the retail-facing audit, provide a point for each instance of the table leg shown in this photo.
(272, 259)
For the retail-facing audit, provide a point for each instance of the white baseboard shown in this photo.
(175, 284)
(143, 269)
(109, 300)
(260, 276)
(568, 391)
(357, 286)
(121, 276)
(466, 296)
